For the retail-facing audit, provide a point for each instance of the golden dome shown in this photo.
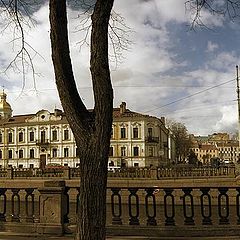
(5, 108)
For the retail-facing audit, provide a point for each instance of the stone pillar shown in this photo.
(9, 173)
(53, 207)
(66, 173)
(154, 172)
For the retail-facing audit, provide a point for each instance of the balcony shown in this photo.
(150, 139)
(42, 143)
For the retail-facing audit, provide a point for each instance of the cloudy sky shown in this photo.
(169, 70)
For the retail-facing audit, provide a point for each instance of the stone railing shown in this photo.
(49, 207)
(201, 172)
(131, 173)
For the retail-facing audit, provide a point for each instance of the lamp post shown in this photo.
(238, 101)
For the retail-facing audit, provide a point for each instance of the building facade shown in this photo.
(44, 138)
(218, 145)
(206, 152)
(139, 140)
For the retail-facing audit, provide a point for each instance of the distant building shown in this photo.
(227, 149)
(205, 152)
(36, 140)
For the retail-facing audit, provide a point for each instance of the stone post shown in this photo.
(66, 173)
(154, 172)
(9, 173)
(53, 207)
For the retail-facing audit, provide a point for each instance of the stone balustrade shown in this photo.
(125, 173)
(135, 207)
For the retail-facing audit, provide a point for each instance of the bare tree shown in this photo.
(182, 140)
(92, 130)
(225, 8)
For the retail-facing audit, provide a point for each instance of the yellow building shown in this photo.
(228, 149)
(37, 140)
(205, 152)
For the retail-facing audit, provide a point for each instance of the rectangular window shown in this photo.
(31, 136)
(150, 132)
(31, 166)
(1, 138)
(111, 151)
(66, 134)
(20, 153)
(123, 132)
(136, 151)
(0, 154)
(54, 152)
(20, 137)
(65, 152)
(135, 132)
(136, 164)
(43, 136)
(10, 155)
(54, 135)
(31, 153)
(10, 137)
(20, 166)
(123, 151)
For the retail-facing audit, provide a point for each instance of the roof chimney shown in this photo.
(163, 120)
(123, 108)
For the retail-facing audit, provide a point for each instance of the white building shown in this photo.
(37, 140)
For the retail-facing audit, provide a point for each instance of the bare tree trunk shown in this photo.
(92, 131)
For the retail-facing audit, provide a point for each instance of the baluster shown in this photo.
(206, 208)
(15, 205)
(133, 218)
(37, 211)
(189, 220)
(151, 218)
(65, 217)
(237, 205)
(223, 194)
(29, 205)
(169, 219)
(3, 200)
(116, 219)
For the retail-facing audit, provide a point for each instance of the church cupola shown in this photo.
(5, 108)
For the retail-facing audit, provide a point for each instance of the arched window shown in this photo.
(20, 153)
(10, 154)
(54, 152)
(65, 152)
(136, 151)
(31, 136)
(43, 136)
(10, 137)
(20, 137)
(66, 134)
(54, 135)
(31, 153)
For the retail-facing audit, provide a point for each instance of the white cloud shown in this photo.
(211, 47)
(149, 63)
(228, 120)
